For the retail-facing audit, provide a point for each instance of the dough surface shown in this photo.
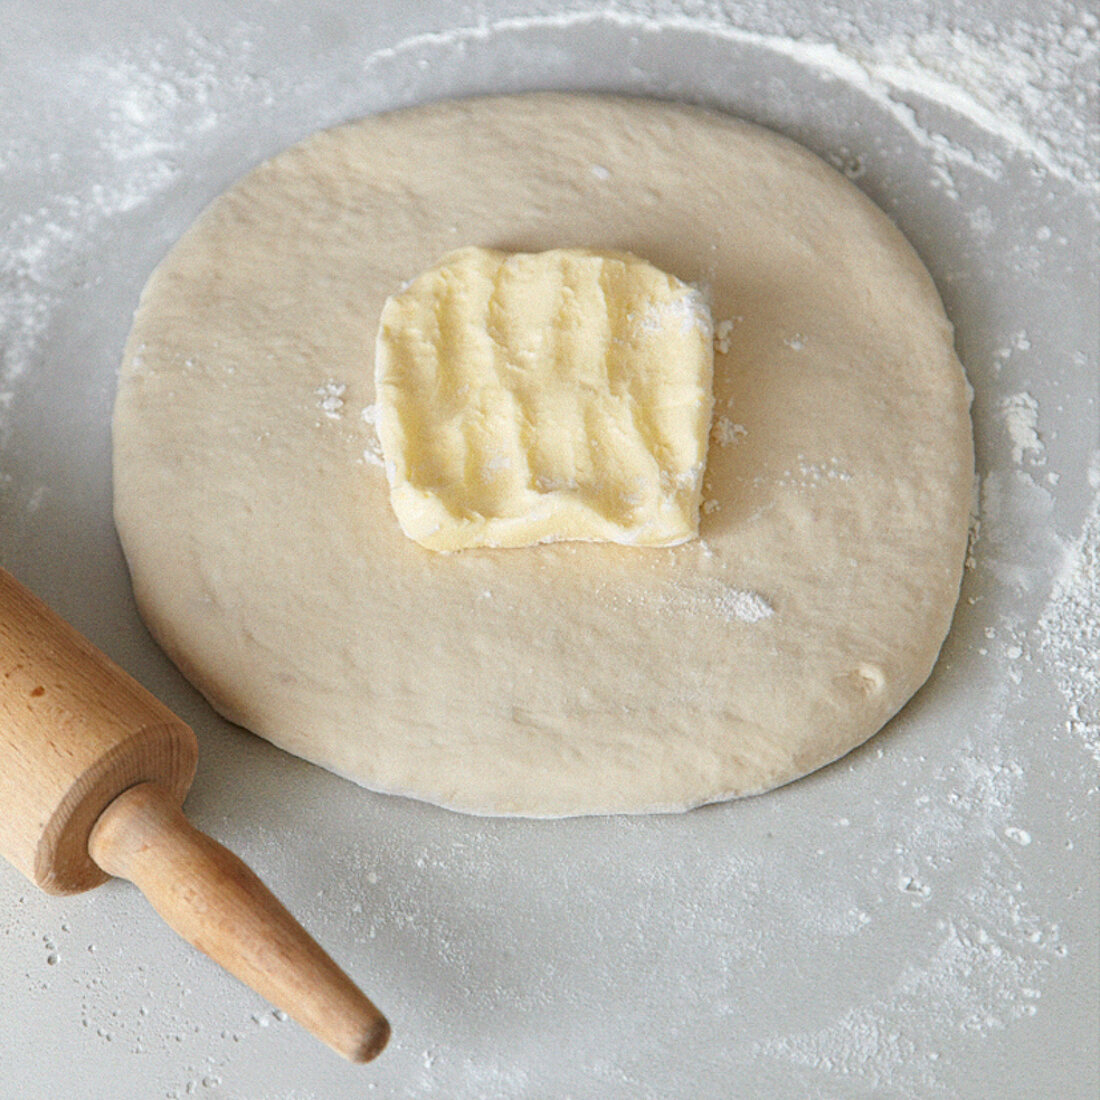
(526, 398)
(570, 677)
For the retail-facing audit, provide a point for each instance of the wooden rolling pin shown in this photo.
(93, 771)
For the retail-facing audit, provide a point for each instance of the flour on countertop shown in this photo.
(1069, 630)
(146, 109)
(723, 335)
(1016, 82)
(1020, 412)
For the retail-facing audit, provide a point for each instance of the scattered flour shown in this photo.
(1069, 631)
(688, 311)
(812, 473)
(372, 453)
(330, 398)
(722, 601)
(1018, 82)
(146, 107)
(723, 335)
(1020, 412)
(724, 432)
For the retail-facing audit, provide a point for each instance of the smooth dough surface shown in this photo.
(541, 397)
(571, 677)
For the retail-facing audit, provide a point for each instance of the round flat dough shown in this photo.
(566, 678)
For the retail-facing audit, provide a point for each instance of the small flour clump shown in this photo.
(723, 335)
(726, 432)
(1020, 412)
(713, 597)
(372, 453)
(331, 398)
(744, 607)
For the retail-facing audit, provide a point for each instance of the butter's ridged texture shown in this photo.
(540, 397)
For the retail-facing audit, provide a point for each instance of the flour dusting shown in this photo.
(1017, 82)
(373, 454)
(1069, 631)
(711, 597)
(146, 109)
(723, 335)
(1020, 412)
(725, 431)
(744, 607)
(330, 398)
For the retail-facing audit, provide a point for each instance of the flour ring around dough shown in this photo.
(567, 678)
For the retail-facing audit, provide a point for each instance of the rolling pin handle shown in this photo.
(212, 899)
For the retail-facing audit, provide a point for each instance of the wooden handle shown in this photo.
(218, 904)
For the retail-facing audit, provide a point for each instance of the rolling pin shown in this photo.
(93, 773)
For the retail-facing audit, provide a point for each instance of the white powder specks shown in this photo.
(1069, 632)
(723, 335)
(1020, 413)
(850, 1046)
(1018, 82)
(146, 108)
(711, 597)
(686, 312)
(372, 453)
(874, 1050)
(330, 398)
(814, 473)
(808, 473)
(735, 604)
(724, 432)
(977, 967)
(1015, 540)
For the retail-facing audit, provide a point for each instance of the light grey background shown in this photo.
(919, 919)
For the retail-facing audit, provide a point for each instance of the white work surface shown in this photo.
(918, 920)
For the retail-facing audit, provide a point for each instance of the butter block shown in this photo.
(537, 397)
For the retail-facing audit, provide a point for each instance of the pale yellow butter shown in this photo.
(536, 397)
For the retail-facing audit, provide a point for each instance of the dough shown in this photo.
(571, 677)
(528, 398)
